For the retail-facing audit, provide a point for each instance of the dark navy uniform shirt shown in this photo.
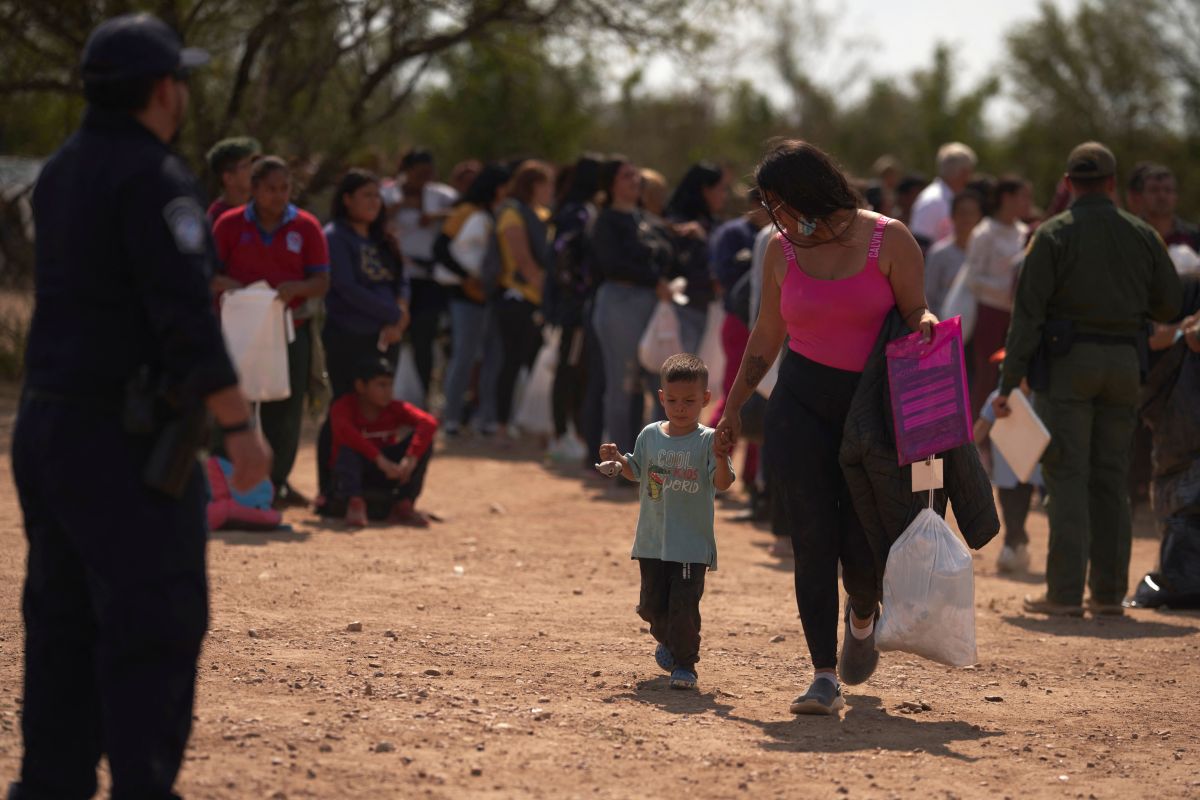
(123, 264)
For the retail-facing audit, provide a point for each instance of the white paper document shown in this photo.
(1021, 437)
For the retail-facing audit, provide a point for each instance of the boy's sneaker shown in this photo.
(662, 654)
(404, 514)
(823, 697)
(683, 679)
(356, 513)
(451, 429)
(1013, 559)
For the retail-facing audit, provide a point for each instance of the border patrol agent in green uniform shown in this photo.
(1092, 277)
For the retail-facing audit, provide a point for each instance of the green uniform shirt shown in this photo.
(1097, 266)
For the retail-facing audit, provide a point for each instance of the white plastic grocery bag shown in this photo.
(712, 349)
(661, 339)
(257, 330)
(535, 414)
(408, 387)
(929, 594)
(960, 302)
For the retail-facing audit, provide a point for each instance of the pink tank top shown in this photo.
(836, 322)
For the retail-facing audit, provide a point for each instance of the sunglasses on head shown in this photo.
(804, 225)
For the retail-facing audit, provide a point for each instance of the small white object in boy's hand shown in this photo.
(609, 469)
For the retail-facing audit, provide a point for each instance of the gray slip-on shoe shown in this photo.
(822, 698)
(859, 657)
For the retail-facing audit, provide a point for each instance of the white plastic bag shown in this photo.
(770, 378)
(257, 329)
(1185, 259)
(712, 350)
(960, 302)
(661, 340)
(408, 387)
(929, 594)
(535, 414)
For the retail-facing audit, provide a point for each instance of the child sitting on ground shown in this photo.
(679, 464)
(379, 444)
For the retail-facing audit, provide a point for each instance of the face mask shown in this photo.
(805, 226)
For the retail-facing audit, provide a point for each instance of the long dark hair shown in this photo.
(606, 176)
(351, 182)
(584, 181)
(483, 190)
(804, 177)
(687, 204)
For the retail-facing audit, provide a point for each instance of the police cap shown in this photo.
(1091, 160)
(136, 46)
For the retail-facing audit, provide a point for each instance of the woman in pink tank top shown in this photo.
(831, 277)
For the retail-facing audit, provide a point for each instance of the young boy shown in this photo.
(679, 464)
(379, 443)
(230, 161)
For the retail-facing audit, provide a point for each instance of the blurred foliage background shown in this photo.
(335, 83)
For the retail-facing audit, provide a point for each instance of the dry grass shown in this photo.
(15, 311)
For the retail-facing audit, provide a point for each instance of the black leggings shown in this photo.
(1014, 503)
(804, 422)
(570, 381)
(520, 336)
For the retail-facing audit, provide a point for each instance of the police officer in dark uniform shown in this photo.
(125, 355)
(1093, 276)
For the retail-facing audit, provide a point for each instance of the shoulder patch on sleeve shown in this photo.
(186, 221)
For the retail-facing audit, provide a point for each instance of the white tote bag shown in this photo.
(661, 339)
(257, 329)
(712, 350)
(929, 594)
(535, 414)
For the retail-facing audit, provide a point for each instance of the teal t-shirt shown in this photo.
(675, 477)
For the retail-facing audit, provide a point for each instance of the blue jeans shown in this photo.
(489, 372)
(692, 320)
(621, 316)
(468, 322)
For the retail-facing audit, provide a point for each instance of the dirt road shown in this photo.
(499, 655)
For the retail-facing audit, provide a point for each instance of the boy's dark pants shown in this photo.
(670, 602)
(354, 472)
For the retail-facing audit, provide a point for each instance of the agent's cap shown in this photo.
(1091, 160)
(137, 46)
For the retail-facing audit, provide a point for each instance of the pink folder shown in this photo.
(930, 401)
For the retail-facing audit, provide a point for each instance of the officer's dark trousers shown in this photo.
(1089, 410)
(115, 608)
(670, 602)
(803, 428)
(281, 420)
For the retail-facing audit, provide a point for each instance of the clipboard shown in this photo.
(1021, 437)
